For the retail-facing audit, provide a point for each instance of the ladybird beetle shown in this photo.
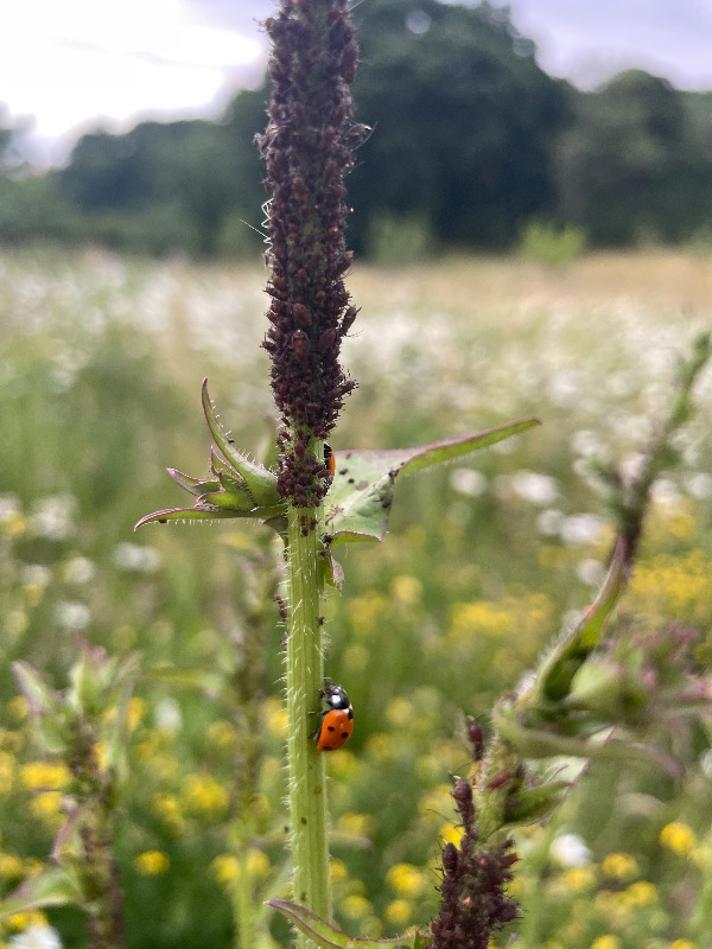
(337, 721)
(330, 460)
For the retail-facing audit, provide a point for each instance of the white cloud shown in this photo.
(72, 62)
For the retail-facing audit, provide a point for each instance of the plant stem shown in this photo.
(305, 671)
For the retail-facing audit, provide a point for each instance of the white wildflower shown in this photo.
(136, 558)
(590, 572)
(72, 616)
(569, 850)
(468, 482)
(37, 937)
(9, 507)
(550, 521)
(581, 529)
(79, 570)
(534, 487)
(53, 517)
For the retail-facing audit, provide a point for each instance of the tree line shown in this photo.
(471, 141)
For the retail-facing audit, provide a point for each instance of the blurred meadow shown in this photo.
(101, 360)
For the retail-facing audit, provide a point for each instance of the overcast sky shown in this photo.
(72, 64)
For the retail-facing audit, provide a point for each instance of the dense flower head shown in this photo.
(308, 149)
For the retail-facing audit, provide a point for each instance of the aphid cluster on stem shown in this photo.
(308, 149)
(473, 890)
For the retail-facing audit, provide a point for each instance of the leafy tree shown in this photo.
(632, 164)
(457, 90)
(185, 169)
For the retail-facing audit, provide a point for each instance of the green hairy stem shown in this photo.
(305, 673)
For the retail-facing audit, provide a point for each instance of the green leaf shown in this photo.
(261, 482)
(204, 512)
(559, 668)
(40, 697)
(333, 572)
(359, 500)
(54, 887)
(183, 514)
(196, 486)
(326, 935)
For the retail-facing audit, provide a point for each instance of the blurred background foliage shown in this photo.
(472, 142)
(101, 354)
(101, 358)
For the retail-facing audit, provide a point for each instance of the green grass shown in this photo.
(101, 361)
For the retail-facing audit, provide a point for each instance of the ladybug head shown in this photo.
(335, 696)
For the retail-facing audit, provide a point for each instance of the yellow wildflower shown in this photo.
(399, 912)
(606, 942)
(45, 775)
(612, 907)
(480, 616)
(678, 837)
(577, 879)
(451, 834)
(355, 906)
(222, 734)
(406, 879)
(226, 868)
(18, 708)
(399, 712)
(204, 795)
(620, 865)
(10, 866)
(275, 718)
(167, 808)
(33, 867)
(338, 870)
(640, 894)
(406, 590)
(355, 825)
(679, 586)
(47, 805)
(136, 712)
(7, 772)
(681, 944)
(14, 526)
(152, 863)
(257, 863)
(21, 921)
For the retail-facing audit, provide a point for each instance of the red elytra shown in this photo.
(330, 459)
(336, 728)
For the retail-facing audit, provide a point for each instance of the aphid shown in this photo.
(337, 722)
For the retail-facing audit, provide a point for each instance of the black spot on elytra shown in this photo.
(344, 471)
